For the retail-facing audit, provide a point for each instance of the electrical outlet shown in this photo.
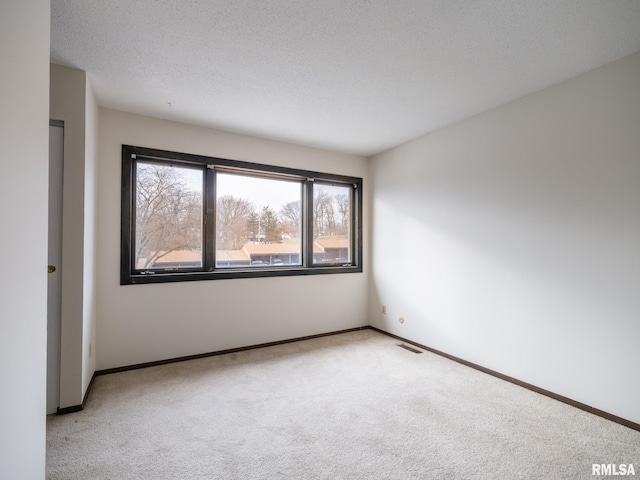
(89, 350)
(401, 319)
(384, 309)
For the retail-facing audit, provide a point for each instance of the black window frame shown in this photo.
(211, 165)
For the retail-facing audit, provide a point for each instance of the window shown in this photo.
(331, 223)
(189, 217)
(258, 221)
(168, 221)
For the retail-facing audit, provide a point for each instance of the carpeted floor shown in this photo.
(348, 406)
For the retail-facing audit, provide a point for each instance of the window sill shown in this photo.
(259, 272)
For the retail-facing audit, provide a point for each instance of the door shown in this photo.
(54, 283)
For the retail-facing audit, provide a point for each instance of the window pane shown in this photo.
(258, 221)
(331, 224)
(168, 216)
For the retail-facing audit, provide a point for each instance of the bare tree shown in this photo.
(168, 214)
(344, 210)
(232, 226)
(323, 212)
(291, 219)
(331, 210)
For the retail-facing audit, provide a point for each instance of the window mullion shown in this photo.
(307, 224)
(209, 219)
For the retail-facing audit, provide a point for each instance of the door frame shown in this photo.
(54, 279)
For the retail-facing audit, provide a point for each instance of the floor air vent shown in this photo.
(407, 347)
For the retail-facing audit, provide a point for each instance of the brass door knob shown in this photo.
(51, 269)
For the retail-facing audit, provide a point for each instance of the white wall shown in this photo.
(24, 130)
(142, 323)
(512, 239)
(72, 101)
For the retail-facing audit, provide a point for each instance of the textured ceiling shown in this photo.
(352, 76)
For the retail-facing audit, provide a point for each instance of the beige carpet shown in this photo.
(349, 406)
